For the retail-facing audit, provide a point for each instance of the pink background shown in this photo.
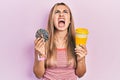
(19, 20)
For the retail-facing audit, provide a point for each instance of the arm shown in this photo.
(39, 65)
(81, 52)
(81, 67)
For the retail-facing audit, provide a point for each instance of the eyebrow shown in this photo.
(63, 10)
(66, 10)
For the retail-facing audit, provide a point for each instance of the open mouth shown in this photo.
(61, 23)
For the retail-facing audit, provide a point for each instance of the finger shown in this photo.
(40, 48)
(80, 55)
(41, 45)
(42, 35)
(84, 51)
(36, 40)
(81, 51)
(78, 48)
(39, 42)
(83, 46)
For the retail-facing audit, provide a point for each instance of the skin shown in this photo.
(61, 12)
(39, 67)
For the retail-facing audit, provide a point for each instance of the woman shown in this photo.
(59, 59)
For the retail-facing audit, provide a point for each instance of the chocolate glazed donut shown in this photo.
(42, 33)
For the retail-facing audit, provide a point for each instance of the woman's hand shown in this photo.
(40, 46)
(81, 52)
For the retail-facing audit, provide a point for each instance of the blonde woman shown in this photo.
(59, 58)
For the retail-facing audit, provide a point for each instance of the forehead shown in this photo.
(62, 7)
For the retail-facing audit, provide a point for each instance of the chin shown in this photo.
(61, 29)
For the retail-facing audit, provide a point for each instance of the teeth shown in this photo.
(61, 20)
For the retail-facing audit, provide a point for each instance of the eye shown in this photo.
(66, 11)
(57, 11)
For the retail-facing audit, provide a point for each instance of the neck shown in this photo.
(60, 35)
(60, 39)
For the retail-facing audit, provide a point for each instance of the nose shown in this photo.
(61, 14)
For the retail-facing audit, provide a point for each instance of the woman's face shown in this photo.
(61, 18)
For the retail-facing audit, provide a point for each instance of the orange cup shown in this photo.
(81, 36)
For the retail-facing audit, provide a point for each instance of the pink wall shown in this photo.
(19, 19)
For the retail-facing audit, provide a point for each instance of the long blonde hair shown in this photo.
(51, 47)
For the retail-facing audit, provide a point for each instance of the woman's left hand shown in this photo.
(81, 52)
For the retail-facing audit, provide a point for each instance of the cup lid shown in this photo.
(82, 31)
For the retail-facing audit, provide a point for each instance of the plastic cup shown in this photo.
(81, 36)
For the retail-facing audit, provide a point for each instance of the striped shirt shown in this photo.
(62, 71)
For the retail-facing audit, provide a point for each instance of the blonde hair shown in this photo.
(50, 45)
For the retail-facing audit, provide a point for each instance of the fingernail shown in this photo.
(38, 38)
(43, 39)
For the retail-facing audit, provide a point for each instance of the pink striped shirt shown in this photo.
(62, 71)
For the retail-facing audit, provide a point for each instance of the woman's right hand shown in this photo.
(40, 46)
